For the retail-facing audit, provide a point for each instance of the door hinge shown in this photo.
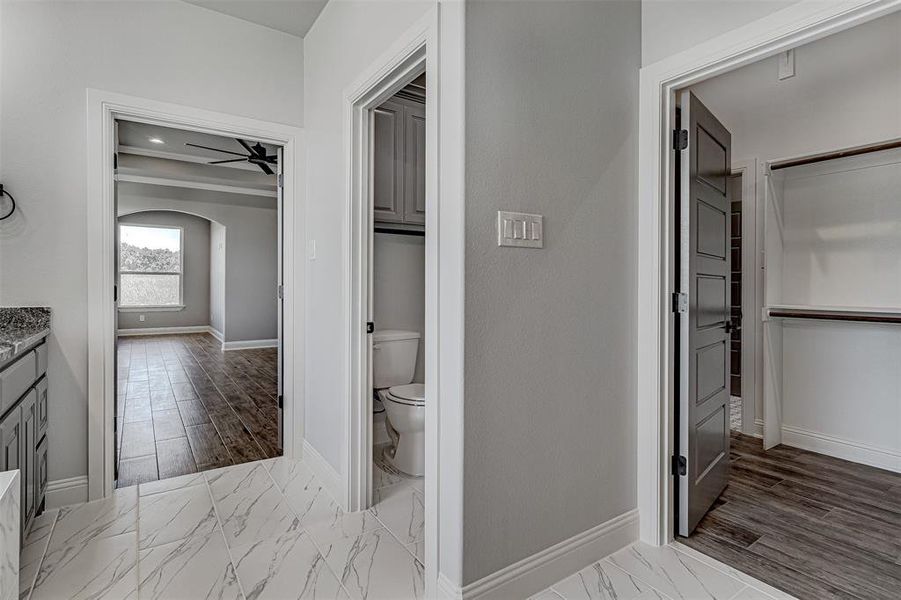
(281, 180)
(281, 401)
(679, 465)
(281, 292)
(370, 327)
(680, 302)
(680, 139)
(115, 293)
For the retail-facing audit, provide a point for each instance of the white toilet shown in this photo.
(393, 364)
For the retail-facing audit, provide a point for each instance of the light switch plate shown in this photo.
(520, 230)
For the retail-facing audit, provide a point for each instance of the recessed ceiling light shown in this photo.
(156, 140)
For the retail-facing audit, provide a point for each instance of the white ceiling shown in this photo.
(134, 138)
(290, 16)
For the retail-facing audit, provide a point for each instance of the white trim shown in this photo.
(163, 330)
(196, 185)
(249, 344)
(446, 589)
(216, 334)
(751, 293)
(140, 309)
(103, 108)
(63, 492)
(191, 158)
(435, 44)
(793, 26)
(535, 573)
(320, 467)
(858, 452)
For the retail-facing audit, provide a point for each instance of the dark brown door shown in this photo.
(705, 279)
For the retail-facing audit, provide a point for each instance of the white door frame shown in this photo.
(416, 51)
(751, 282)
(798, 24)
(103, 108)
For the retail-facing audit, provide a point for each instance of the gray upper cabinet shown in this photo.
(388, 163)
(414, 167)
(399, 162)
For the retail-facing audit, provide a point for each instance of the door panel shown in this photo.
(703, 411)
(414, 155)
(387, 162)
(117, 285)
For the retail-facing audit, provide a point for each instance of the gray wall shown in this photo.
(217, 277)
(671, 26)
(399, 287)
(551, 127)
(251, 250)
(50, 53)
(196, 273)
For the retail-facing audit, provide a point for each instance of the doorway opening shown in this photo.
(787, 427)
(198, 271)
(397, 301)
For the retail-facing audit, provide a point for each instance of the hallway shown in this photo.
(184, 406)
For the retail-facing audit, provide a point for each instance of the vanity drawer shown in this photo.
(16, 379)
(41, 359)
(42, 404)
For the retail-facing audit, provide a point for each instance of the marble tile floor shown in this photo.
(263, 529)
(674, 572)
(268, 529)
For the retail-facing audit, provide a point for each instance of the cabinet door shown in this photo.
(10, 442)
(414, 164)
(27, 453)
(387, 162)
(40, 463)
(42, 408)
(11, 449)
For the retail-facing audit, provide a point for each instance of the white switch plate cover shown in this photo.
(520, 230)
(787, 64)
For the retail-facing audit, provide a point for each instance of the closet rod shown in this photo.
(797, 162)
(831, 316)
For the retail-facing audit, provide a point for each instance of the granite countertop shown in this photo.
(20, 327)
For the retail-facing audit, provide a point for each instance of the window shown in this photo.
(150, 266)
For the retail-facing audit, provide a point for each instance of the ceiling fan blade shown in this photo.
(266, 169)
(215, 149)
(246, 146)
(230, 160)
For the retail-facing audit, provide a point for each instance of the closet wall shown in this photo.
(841, 240)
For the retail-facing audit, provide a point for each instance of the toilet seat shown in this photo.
(412, 394)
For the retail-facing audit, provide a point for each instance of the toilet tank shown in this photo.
(393, 357)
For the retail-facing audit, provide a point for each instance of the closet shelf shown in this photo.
(833, 313)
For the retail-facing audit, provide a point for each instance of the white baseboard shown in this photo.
(63, 492)
(248, 344)
(448, 590)
(325, 472)
(543, 569)
(217, 334)
(163, 330)
(882, 458)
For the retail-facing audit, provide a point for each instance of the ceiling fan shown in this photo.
(256, 155)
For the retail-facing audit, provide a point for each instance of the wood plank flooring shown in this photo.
(185, 406)
(811, 525)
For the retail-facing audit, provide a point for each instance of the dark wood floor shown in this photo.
(185, 406)
(811, 525)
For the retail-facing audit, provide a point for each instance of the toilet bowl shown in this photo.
(405, 422)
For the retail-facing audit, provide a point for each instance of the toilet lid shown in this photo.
(414, 392)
